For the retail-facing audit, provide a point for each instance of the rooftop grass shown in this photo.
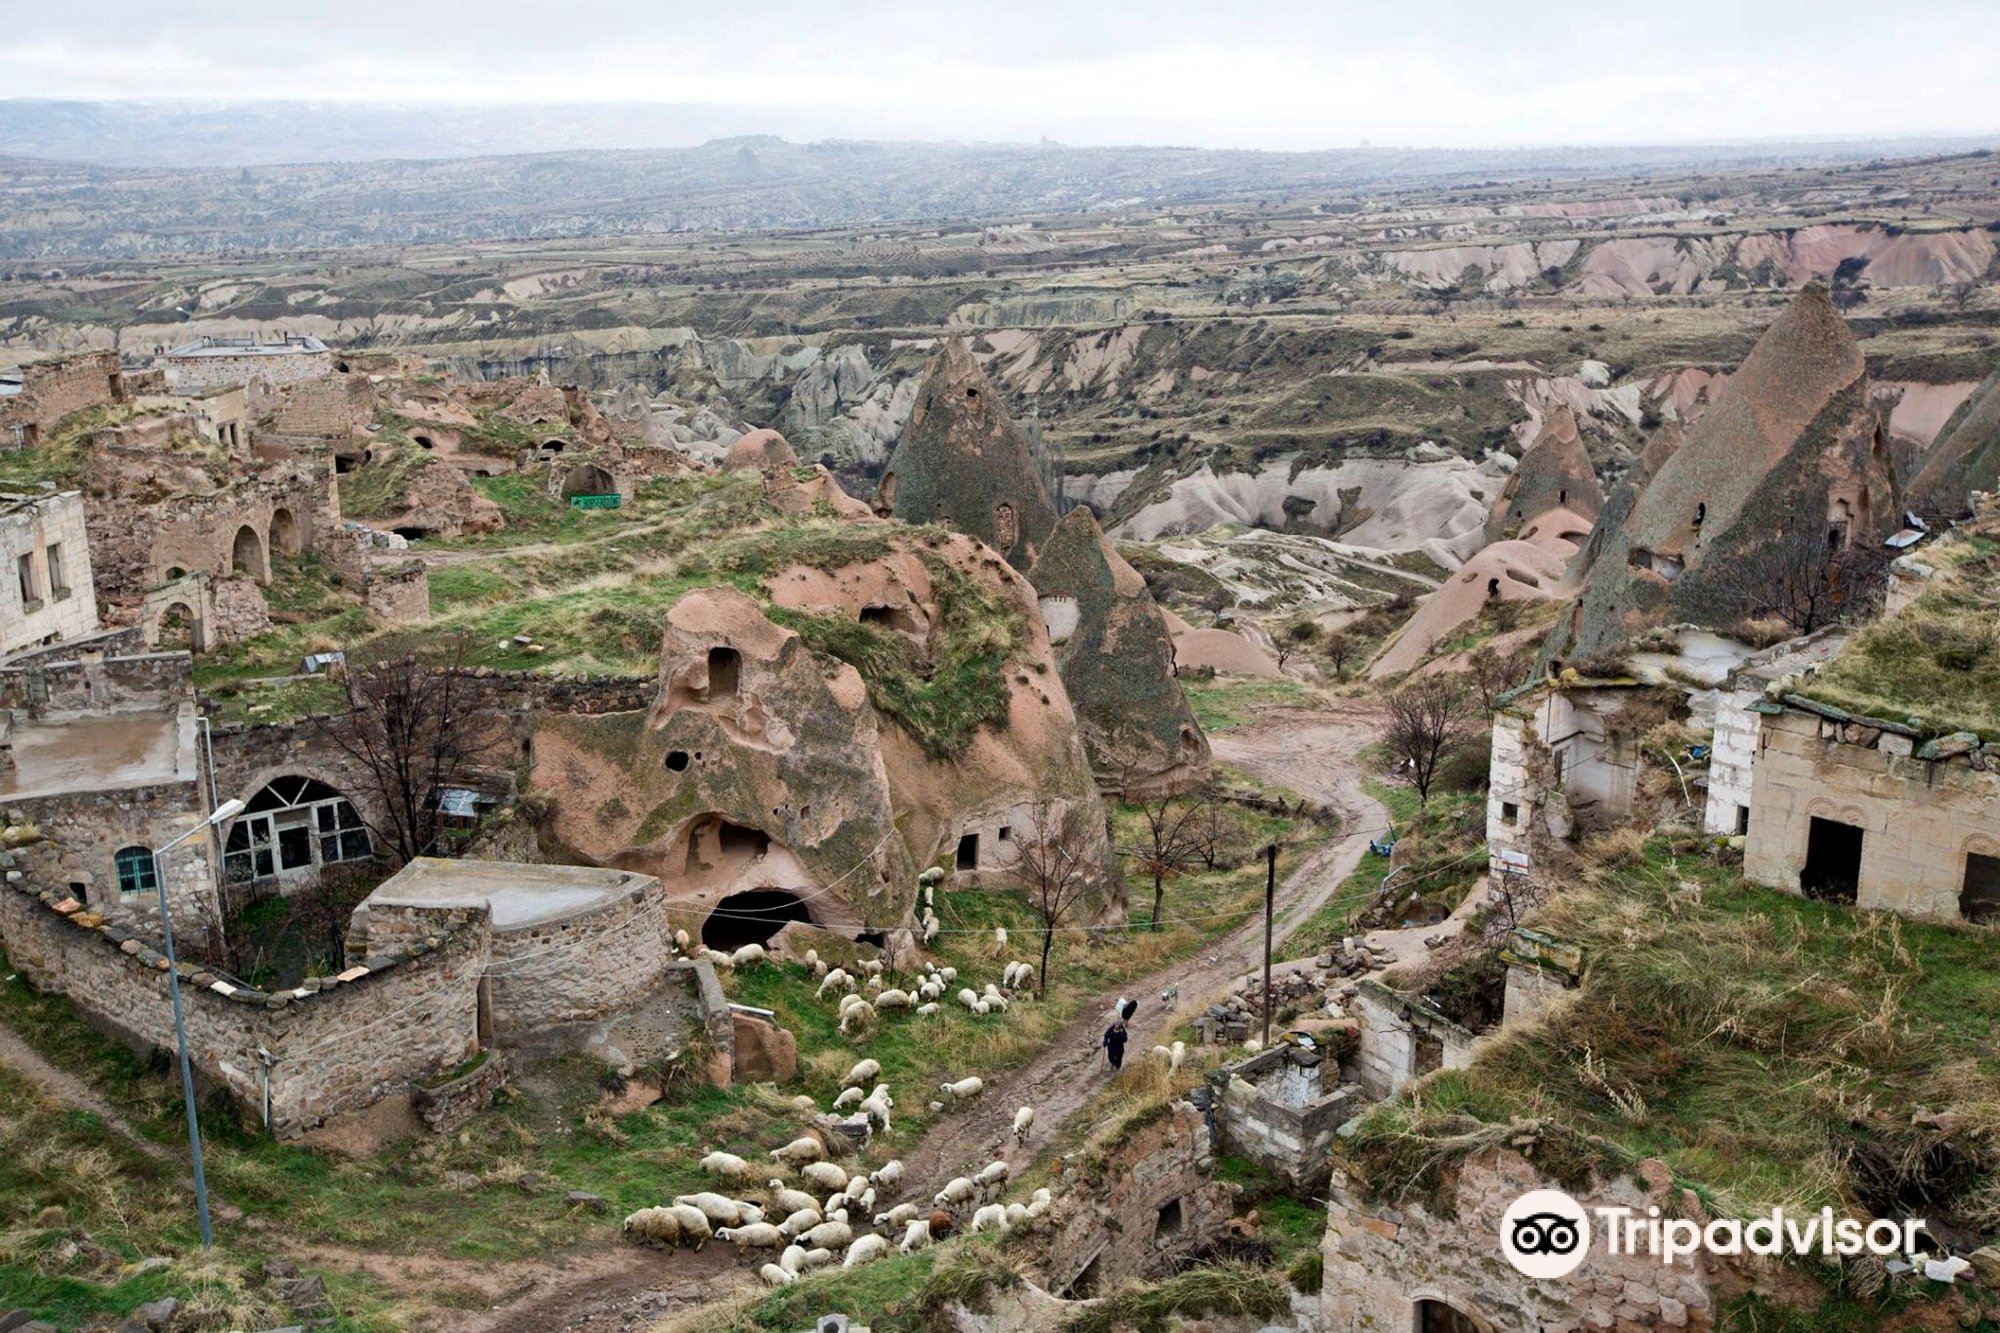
(1937, 663)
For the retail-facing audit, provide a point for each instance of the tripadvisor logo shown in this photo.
(1546, 1234)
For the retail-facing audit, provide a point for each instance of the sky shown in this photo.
(1247, 74)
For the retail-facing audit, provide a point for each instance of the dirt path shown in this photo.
(1310, 751)
(74, 1093)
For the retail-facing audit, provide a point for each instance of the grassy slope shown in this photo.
(1755, 1042)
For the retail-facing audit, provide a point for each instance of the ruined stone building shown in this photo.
(1792, 455)
(215, 362)
(50, 594)
(962, 461)
(1726, 811)
(1565, 759)
(1863, 810)
(1116, 655)
(47, 391)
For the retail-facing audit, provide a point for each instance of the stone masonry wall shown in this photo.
(1382, 1261)
(88, 678)
(331, 407)
(1282, 1113)
(1921, 817)
(197, 374)
(336, 1045)
(85, 832)
(399, 593)
(61, 600)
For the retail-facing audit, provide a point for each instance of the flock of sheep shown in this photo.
(828, 1213)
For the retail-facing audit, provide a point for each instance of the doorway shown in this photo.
(1832, 871)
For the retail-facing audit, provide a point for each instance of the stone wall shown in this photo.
(93, 675)
(399, 593)
(1402, 1038)
(328, 408)
(52, 596)
(52, 389)
(1541, 972)
(1924, 810)
(210, 370)
(337, 1044)
(1731, 756)
(1280, 1109)
(446, 1106)
(1128, 1212)
(1383, 1262)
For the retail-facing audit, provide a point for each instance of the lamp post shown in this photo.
(226, 811)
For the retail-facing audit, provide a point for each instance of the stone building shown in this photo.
(99, 752)
(215, 362)
(1726, 812)
(1565, 759)
(962, 461)
(1863, 810)
(48, 391)
(50, 594)
(1792, 451)
(1281, 1109)
(1403, 1037)
(1428, 1266)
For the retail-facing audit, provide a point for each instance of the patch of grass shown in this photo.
(1227, 702)
(1223, 1289)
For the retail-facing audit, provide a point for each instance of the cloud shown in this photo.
(1258, 74)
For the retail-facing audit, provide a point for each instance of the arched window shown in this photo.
(291, 828)
(136, 871)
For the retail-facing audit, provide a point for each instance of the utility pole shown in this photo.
(1270, 899)
(226, 811)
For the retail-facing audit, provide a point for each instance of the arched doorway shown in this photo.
(1437, 1317)
(284, 532)
(246, 555)
(589, 479)
(178, 628)
(292, 828)
(751, 917)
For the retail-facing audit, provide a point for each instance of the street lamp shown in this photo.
(226, 811)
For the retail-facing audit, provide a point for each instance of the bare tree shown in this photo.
(1212, 829)
(1053, 867)
(1293, 638)
(1168, 842)
(1491, 674)
(1805, 577)
(410, 725)
(1337, 647)
(1429, 721)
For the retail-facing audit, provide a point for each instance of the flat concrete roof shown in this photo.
(516, 893)
(100, 752)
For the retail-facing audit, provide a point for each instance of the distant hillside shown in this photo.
(98, 180)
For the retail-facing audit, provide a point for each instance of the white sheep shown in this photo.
(865, 1250)
(897, 1216)
(916, 1235)
(893, 999)
(720, 1210)
(1017, 1217)
(812, 959)
(1161, 1053)
(980, 1008)
(1000, 938)
(994, 1001)
(727, 1165)
(877, 1110)
(850, 1097)
(787, 1200)
(755, 1236)
(851, 1001)
(793, 1259)
(874, 983)
(717, 958)
(799, 1151)
(828, 1235)
(818, 1257)
(748, 956)
(964, 1088)
(1040, 1202)
(929, 1010)
(804, 1104)
(805, 1219)
(668, 1226)
(860, 1016)
(1176, 1055)
(947, 975)
(1253, 1045)
(957, 1190)
(888, 1175)
(863, 1072)
(776, 1275)
(681, 941)
(993, 1175)
(826, 1175)
(991, 1217)
(930, 990)
(1024, 1123)
(969, 998)
(833, 980)
(930, 927)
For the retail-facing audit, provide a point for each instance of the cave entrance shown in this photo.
(891, 617)
(752, 917)
(725, 672)
(1437, 1317)
(1832, 871)
(967, 857)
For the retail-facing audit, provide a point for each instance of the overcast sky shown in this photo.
(1247, 74)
